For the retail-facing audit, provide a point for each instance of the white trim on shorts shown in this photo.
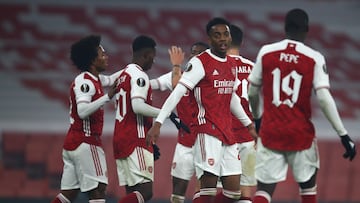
(212, 156)
(137, 168)
(84, 168)
(183, 162)
(272, 166)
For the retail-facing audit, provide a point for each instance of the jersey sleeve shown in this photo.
(321, 76)
(164, 81)
(140, 85)
(193, 74)
(255, 77)
(84, 90)
(108, 80)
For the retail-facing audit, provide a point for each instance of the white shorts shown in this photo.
(84, 168)
(247, 154)
(183, 162)
(137, 168)
(212, 156)
(272, 165)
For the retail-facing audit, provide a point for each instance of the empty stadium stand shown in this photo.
(36, 39)
(39, 176)
(35, 74)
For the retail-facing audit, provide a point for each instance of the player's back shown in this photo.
(131, 128)
(288, 69)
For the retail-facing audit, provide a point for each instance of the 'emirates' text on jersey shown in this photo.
(288, 72)
(85, 88)
(130, 128)
(212, 80)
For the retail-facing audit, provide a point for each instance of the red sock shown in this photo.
(260, 199)
(245, 200)
(205, 199)
(134, 197)
(60, 198)
(308, 198)
(221, 198)
(196, 197)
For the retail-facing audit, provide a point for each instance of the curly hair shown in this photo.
(85, 51)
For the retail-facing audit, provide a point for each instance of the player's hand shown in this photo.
(252, 131)
(349, 146)
(113, 89)
(257, 122)
(178, 123)
(156, 152)
(176, 55)
(153, 134)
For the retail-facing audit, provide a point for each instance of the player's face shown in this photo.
(101, 61)
(196, 49)
(220, 39)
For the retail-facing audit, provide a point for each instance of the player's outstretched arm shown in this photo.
(108, 80)
(153, 134)
(176, 58)
(239, 112)
(140, 107)
(328, 107)
(87, 107)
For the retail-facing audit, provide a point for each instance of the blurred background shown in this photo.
(35, 74)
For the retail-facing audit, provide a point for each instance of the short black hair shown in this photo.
(85, 51)
(203, 44)
(236, 35)
(296, 20)
(142, 42)
(216, 21)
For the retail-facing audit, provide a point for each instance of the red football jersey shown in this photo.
(212, 93)
(186, 113)
(244, 67)
(288, 72)
(131, 128)
(86, 130)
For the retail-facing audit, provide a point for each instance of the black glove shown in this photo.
(257, 124)
(178, 123)
(349, 146)
(156, 152)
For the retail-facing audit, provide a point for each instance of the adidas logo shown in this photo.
(215, 72)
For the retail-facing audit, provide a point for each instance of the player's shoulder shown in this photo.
(85, 77)
(311, 52)
(85, 82)
(272, 47)
(242, 60)
(134, 70)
